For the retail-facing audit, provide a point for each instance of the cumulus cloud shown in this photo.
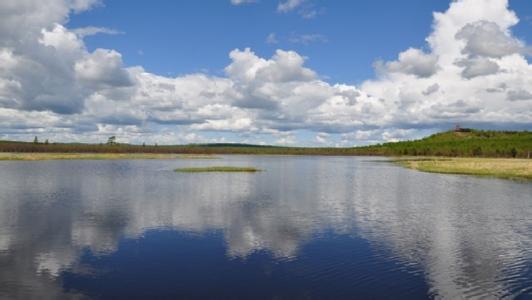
(51, 83)
(39, 75)
(486, 38)
(478, 67)
(431, 89)
(22, 20)
(284, 66)
(322, 138)
(412, 61)
(103, 68)
(456, 49)
(517, 95)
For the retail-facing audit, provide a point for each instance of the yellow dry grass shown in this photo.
(511, 168)
(97, 156)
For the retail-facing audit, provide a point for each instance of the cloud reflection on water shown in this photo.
(467, 236)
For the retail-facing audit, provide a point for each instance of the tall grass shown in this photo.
(495, 167)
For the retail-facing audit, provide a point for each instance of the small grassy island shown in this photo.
(230, 169)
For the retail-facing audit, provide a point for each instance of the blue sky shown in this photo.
(304, 72)
(180, 37)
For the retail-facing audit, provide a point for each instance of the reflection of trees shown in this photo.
(459, 233)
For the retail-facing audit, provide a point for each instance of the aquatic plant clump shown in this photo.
(229, 169)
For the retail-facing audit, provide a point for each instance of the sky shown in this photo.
(285, 72)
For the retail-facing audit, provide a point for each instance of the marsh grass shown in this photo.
(229, 169)
(98, 156)
(510, 168)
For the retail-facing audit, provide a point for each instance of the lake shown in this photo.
(306, 227)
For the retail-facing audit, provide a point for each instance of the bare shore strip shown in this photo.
(98, 156)
(508, 168)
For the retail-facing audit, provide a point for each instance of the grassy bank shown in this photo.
(217, 169)
(97, 156)
(493, 167)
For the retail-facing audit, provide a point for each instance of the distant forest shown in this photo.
(461, 142)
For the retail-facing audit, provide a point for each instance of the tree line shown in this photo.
(466, 143)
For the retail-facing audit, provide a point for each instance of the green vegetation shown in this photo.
(111, 140)
(495, 167)
(97, 156)
(462, 143)
(459, 143)
(217, 169)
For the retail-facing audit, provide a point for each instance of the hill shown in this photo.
(463, 142)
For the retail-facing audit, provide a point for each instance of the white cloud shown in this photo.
(289, 5)
(284, 66)
(50, 83)
(431, 89)
(322, 138)
(478, 66)
(62, 40)
(486, 38)
(285, 139)
(306, 9)
(82, 5)
(102, 68)
(408, 101)
(412, 61)
(240, 2)
(307, 39)
(272, 39)
(92, 30)
(519, 94)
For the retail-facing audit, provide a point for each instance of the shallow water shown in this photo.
(306, 227)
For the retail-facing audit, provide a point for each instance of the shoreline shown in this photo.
(39, 156)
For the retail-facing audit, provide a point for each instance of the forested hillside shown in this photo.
(463, 142)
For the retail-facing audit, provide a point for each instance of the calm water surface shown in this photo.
(306, 227)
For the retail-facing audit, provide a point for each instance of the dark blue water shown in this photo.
(306, 227)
